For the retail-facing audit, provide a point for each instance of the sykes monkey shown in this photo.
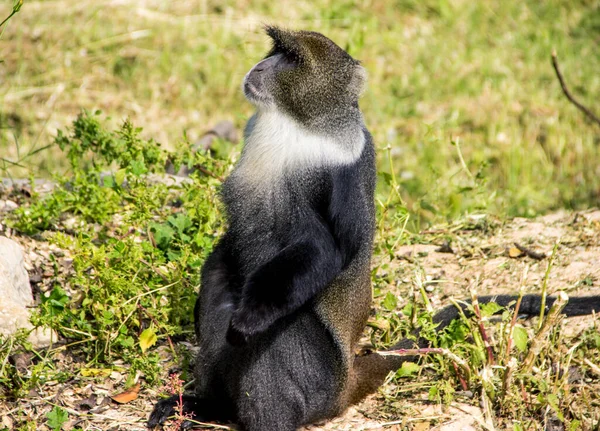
(286, 292)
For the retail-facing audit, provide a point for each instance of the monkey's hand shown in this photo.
(282, 285)
(246, 322)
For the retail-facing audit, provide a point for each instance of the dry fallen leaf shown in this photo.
(514, 252)
(127, 396)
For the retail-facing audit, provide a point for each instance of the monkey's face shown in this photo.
(306, 75)
(260, 82)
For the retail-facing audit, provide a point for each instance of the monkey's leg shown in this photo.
(369, 373)
(290, 376)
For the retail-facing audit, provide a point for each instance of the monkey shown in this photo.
(286, 292)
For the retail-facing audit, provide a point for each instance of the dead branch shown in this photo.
(568, 94)
(528, 252)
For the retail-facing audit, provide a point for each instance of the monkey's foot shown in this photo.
(169, 407)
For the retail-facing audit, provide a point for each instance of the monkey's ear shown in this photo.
(358, 82)
(284, 42)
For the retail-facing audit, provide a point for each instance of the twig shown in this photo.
(537, 343)
(207, 425)
(528, 252)
(544, 293)
(482, 331)
(156, 270)
(565, 90)
(16, 8)
(463, 382)
(593, 367)
(209, 173)
(486, 405)
(507, 378)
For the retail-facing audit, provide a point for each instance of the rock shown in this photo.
(23, 186)
(7, 205)
(16, 295)
(14, 280)
(224, 130)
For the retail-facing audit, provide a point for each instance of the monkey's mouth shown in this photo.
(252, 93)
(251, 90)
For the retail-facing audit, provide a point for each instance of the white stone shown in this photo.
(16, 296)
(6, 205)
(14, 280)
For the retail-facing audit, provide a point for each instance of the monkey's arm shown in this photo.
(301, 270)
(285, 283)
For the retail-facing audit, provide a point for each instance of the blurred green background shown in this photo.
(476, 73)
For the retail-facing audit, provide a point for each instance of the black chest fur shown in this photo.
(266, 216)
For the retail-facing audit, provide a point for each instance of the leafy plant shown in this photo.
(137, 241)
(57, 418)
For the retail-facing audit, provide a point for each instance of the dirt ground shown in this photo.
(482, 249)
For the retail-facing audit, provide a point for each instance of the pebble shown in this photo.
(7, 205)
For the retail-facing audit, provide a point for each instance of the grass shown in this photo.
(440, 72)
(465, 110)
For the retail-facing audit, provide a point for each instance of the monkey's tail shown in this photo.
(531, 306)
(372, 369)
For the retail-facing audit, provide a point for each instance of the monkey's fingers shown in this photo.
(167, 408)
(162, 411)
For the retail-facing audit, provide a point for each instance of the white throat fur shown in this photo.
(275, 143)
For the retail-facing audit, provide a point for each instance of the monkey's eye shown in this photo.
(287, 61)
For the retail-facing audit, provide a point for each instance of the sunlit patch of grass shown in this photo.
(439, 70)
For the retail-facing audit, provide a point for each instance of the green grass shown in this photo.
(474, 72)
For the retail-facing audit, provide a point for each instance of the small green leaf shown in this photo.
(173, 255)
(138, 167)
(56, 418)
(407, 309)
(490, 309)
(458, 331)
(553, 402)
(387, 178)
(390, 302)
(434, 394)
(520, 338)
(407, 369)
(120, 176)
(181, 223)
(147, 339)
(163, 234)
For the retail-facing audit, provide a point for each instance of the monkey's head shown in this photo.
(307, 76)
